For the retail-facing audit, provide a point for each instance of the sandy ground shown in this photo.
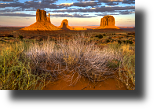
(63, 83)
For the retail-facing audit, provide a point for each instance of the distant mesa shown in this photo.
(64, 25)
(107, 22)
(42, 22)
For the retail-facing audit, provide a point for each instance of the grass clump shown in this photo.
(126, 65)
(76, 55)
(15, 70)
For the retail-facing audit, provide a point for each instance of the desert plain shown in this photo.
(47, 57)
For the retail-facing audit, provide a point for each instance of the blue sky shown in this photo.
(78, 12)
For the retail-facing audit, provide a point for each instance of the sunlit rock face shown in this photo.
(42, 22)
(107, 22)
(64, 25)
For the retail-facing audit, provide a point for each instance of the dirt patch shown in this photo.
(63, 83)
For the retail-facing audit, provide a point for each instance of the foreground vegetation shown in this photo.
(30, 64)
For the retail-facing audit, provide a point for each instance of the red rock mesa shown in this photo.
(107, 22)
(42, 22)
(64, 25)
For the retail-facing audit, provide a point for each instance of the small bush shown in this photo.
(99, 36)
(127, 42)
(104, 34)
(119, 42)
(41, 39)
(20, 37)
(107, 41)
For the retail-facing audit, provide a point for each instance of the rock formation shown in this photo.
(42, 22)
(107, 22)
(64, 25)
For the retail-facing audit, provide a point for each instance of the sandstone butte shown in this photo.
(64, 25)
(107, 22)
(42, 22)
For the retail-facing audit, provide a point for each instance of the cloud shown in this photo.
(128, 1)
(66, 4)
(35, 4)
(7, 0)
(69, 15)
(108, 1)
(113, 2)
(17, 14)
(81, 4)
(97, 9)
(107, 14)
(126, 12)
(116, 13)
(52, 15)
(86, 4)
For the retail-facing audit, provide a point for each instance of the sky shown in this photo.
(78, 12)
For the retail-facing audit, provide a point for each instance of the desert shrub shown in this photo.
(99, 36)
(107, 41)
(119, 41)
(129, 42)
(41, 39)
(76, 55)
(104, 34)
(83, 58)
(20, 37)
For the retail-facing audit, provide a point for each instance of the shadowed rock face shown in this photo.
(42, 22)
(64, 25)
(107, 22)
(41, 16)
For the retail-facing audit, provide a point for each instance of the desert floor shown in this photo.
(109, 82)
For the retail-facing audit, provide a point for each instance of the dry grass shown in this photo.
(15, 70)
(76, 56)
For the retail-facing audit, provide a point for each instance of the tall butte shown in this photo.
(42, 22)
(107, 22)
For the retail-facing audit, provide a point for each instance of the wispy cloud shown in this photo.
(52, 15)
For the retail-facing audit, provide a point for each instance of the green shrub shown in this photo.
(127, 42)
(104, 34)
(20, 37)
(119, 42)
(107, 41)
(99, 36)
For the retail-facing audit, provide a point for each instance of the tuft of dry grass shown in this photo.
(76, 55)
